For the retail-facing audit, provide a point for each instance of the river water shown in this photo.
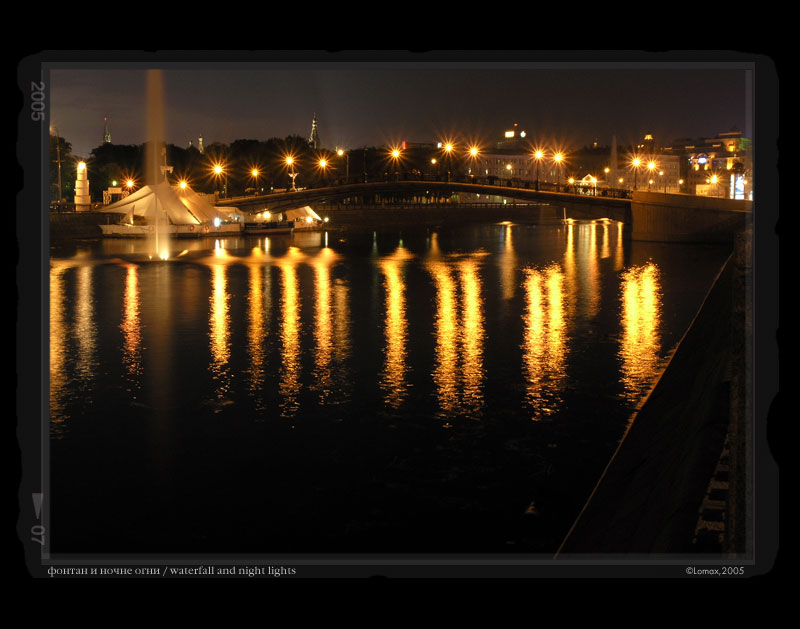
(448, 390)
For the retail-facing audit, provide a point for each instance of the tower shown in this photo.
(313, 139)
(106, 132)
(83, 202)
(200, 145)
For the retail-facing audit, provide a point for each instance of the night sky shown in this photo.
(383, 103)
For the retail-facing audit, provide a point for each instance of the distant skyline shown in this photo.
(384, 103)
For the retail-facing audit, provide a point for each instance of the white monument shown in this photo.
(83, 202)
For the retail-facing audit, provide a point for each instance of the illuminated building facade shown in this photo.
(721, 166)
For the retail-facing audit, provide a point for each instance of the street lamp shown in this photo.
(219, 170)
(661, 174)
(395, 155)
(254, 174)
(340, 153)
(538, 155)
(473, 154)
(557, 158)
(323, 164)
(448, 150)
(292, 174)
(636, 162)
(715, 180)
(651, 166)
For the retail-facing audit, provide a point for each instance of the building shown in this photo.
(719, 166)
(514, 139)
(106, 132)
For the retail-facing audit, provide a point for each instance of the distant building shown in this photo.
(514, 138)
(718, 166)
(200, 145)
(106, 132)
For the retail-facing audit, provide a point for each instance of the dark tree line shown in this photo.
(109, 163)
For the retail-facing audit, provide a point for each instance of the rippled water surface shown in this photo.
(436, 390)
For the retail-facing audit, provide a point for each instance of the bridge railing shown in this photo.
(487, 180)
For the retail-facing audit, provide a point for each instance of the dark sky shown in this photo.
(374, 104)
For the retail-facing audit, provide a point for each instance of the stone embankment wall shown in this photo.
(648, 499)
(78, 225)
(656, 216)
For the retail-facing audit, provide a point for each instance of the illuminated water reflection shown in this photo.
(545, 347)
(393, 377)
(291, 364)
(458, 372)
(171, 379)
(131, 327)
(641, 321)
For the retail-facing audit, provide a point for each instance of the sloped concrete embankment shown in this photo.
(647, 500)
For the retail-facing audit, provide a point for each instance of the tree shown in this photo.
(60, 155)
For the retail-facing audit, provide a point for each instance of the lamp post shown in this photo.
(538, 155)
(448, 150)
(218, 170)
(254, 173)
(636, 162)
(473, 154)
(557, 158)
(292, 174)
(395, 159)
(661, 174)
(715, 180)
(340, 153)
(651, 166)
(323, 164)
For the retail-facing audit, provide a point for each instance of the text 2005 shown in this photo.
(37, 100)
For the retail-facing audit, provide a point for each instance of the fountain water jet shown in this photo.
(154, 172)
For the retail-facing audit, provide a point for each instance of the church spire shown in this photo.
(313, 139)
(106, 132)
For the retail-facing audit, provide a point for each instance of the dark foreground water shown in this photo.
(450, 390)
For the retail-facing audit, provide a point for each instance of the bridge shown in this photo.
(647, 214)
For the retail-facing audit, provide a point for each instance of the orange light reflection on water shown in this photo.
(131, 327)
(545, 342)
(392, 378)
(640, 344)
(291, 366)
